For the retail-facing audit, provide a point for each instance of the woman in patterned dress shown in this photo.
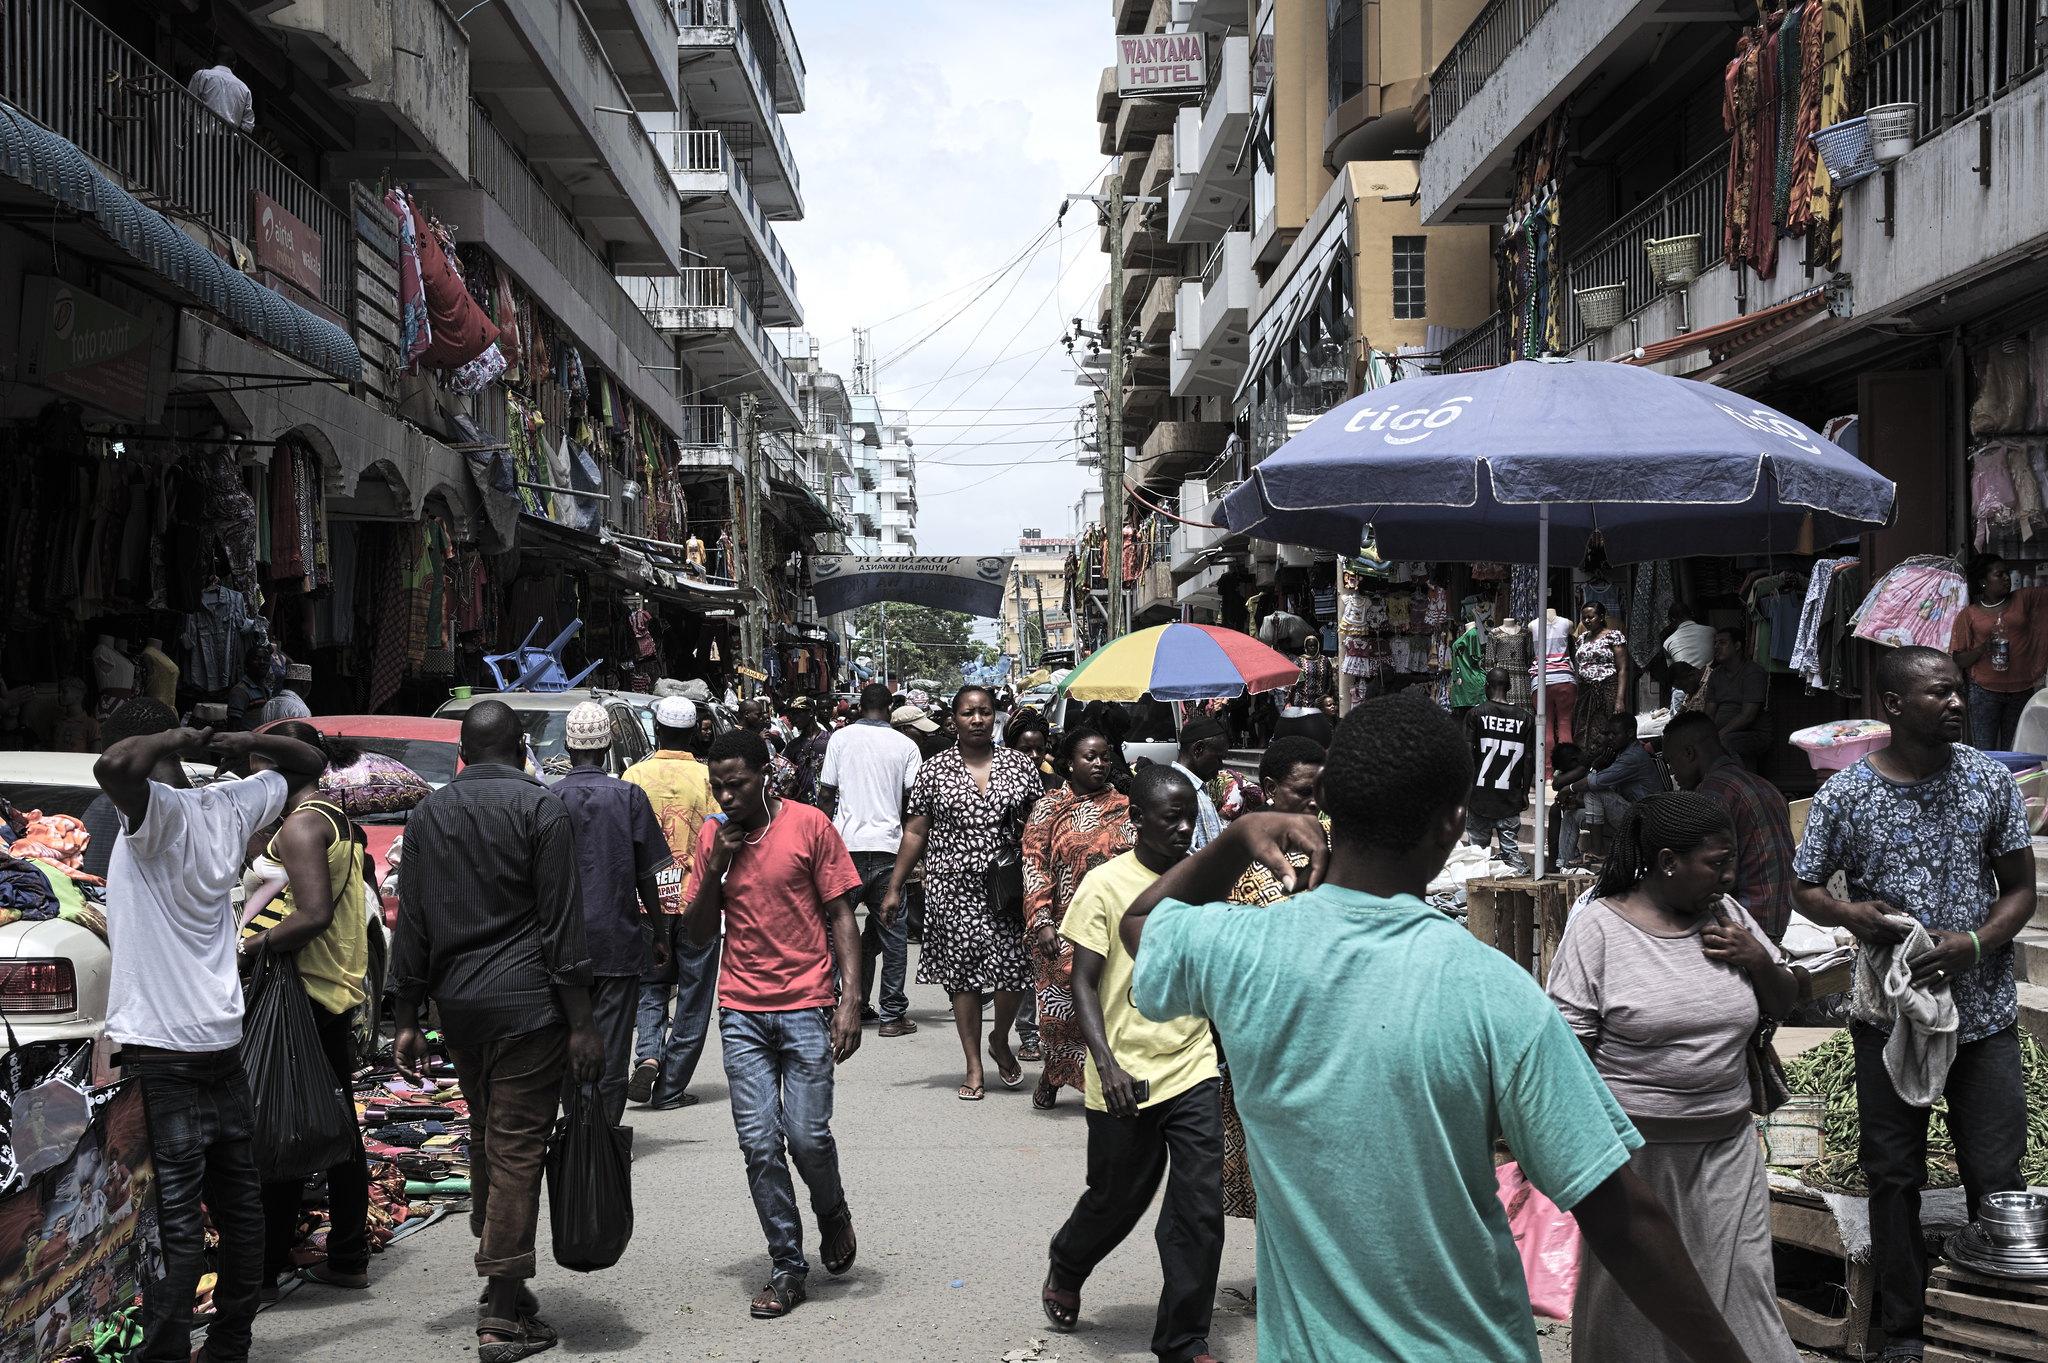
(1600, 662)
(967, 809)
(1072, 831)
(1287, 776)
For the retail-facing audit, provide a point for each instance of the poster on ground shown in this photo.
(77, 1243)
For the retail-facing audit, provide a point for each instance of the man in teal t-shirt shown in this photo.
(1376, 1050)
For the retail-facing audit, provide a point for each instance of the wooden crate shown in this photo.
(1523, 918)
(1977, 1319)
(1811, 1227)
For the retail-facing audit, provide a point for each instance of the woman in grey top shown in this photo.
(1664, 978)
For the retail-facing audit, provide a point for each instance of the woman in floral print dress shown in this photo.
(1287, 778)
(1072, 831)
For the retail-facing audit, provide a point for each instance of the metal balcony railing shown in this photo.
(498, 171)
(1477, 54)
(698, 152)
(72, 74)
(1694, 202)
(1483, 347)
(1952, 57)
(725, 14)
(706, 426)
(711, 287)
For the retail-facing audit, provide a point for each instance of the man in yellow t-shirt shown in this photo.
(1154, 1096)
(679, 788)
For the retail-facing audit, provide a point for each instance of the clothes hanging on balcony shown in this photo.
(415, 327)
(1531, 266)
(1840, 41)
(1789, 69)
(1812, 41)
(461, 330)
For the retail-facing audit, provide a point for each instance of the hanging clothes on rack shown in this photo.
(1915, 603)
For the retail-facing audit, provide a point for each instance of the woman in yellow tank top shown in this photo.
(321, 924)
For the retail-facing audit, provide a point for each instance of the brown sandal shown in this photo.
(517, 1339)
(1062, 1307)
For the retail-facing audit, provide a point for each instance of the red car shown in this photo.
(431, 748)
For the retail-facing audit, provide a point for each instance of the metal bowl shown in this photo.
(2014, 1219)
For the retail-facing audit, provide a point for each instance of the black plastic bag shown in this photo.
(305, 1123)
(590, 1184)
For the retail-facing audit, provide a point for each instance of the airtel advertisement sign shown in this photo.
(286, 245)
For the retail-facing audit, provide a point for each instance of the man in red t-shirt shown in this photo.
(777, 874)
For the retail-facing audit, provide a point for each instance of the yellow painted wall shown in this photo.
(1457, 270)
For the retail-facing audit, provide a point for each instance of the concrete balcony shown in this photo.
(1211, 184)
(1520, 60)
(1153, 601)
(719, 202)
(897, 487)
(640, 38)
(896, 518)
(504, 206)
(1130, 15)
(549, 88)
(1156, 314)
(1210, 16)
(1155, 172)
(729, 88)
(1211, 322)
(723, 342)
(410, 63)
(1175, 448)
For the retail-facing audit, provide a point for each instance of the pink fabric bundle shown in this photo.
(375, 784)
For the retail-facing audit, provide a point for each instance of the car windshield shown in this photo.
(28, 796)
(546, 730)
(432, 760)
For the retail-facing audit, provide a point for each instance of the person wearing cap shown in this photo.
(290, 701)
(679, 788)
(806, 750)
(620, 849)
(914, 724)
(1204, 744)
(866, 777)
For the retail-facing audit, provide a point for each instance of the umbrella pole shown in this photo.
(1541, 633)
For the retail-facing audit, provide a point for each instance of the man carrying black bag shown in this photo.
(490, 925)
(174, 1009)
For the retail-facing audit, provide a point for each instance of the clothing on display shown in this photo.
(1915, 603)
(1818, 653)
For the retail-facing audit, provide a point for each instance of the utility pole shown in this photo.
(885, 642)
(750, 461)
(1113, 435)
(863, 373)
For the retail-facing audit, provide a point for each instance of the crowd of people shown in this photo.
(1173, 933)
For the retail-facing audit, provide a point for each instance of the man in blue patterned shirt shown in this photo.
(1934, 830)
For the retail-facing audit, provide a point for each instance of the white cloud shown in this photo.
(938, 139)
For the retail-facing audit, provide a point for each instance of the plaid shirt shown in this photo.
(1764, 879)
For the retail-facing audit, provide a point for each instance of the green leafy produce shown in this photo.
(1829, 1072)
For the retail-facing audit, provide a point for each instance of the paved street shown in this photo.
(955, 1204)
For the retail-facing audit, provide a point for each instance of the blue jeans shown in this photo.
(1601, 807)
(884, 951)
(1483, 832)
(1995, 717)
(779, 1068)
(201, 1129)
(696, 988)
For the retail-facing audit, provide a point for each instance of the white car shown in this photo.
(53, 974)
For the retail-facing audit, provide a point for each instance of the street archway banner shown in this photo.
(974, 584)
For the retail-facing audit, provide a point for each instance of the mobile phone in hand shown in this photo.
(1141, 1090)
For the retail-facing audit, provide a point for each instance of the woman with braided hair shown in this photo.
(1663, 977)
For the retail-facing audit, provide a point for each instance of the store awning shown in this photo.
(1287, 309)
(809, 512)
(1736, 332)
(33, 156)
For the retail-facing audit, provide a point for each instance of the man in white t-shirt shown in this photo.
(174, 1010)
(866, 778)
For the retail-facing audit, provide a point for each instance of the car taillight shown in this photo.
(38, 987)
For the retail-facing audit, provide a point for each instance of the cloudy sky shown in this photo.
(938, 141)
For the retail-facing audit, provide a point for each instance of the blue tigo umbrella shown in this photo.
(1468, 467)
(1526, 462)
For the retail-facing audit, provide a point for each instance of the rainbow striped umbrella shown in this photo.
(1179, 662)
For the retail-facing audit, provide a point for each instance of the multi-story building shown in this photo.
(1892, 296)
(885, 470)
(1283, 252)
(487, 295)
(1035, 618)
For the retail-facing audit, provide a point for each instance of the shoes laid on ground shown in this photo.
(671, 1104)
(640, 1088)
(897, 1027)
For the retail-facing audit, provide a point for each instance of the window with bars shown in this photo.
(1410, 300)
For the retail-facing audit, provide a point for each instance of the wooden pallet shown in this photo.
(1811, 1227)
(1976, 1319)
(1521, 917)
